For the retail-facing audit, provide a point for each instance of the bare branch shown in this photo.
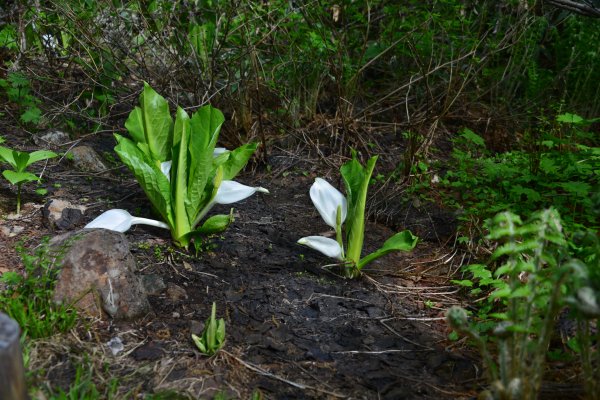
(588, 8)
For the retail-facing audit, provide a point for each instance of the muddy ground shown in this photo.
(295, 328)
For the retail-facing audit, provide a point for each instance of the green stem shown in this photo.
(19, 198)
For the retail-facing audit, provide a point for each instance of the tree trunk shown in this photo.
(12, 373)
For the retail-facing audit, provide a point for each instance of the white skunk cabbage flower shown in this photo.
(329, 202)
(329, 247)
(327, 199)
(120, 221)
(232, 192)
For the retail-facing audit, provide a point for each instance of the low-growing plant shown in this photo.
(584, 300)
(179, 168)
(335, 209)
(563, 171)
(529, 288)
(28, 297)
(20, 160)
(18, 90)
(213, 336)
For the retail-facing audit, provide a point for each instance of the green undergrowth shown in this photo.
(28, 297)
(559, 168)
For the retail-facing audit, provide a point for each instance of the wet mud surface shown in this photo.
(296, 329)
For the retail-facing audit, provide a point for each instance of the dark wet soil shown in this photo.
(295, 329)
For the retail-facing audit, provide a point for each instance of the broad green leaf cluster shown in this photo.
(174, 163)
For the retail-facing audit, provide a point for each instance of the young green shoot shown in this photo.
(213, 336)
(335, 209)
(19, 161)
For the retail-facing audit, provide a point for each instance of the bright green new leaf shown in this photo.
(401, 241)
(19, 177)
(151, 125)
(213, 336)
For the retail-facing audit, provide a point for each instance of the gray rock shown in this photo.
(153, 283)
(52, 138)
(86, 159)
(97, 272)
(61, 214)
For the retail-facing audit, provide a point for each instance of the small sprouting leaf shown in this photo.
(213, 336)
(32, 115)
(464, 282)
(473, 137)
(570, 118)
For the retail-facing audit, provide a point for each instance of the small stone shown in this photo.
(86, 159)
(176, 293)
(61, 214)
(176, 315)
(115, 345)
(153, 283)
(52, 138)
(11, 231)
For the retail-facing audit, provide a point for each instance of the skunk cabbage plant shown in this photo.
(178, 166)
(335, 209)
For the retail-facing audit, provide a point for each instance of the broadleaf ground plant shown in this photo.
(20, 161)
(335, 209)
(178, 167)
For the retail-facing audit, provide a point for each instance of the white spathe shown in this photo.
(327, 246)
(232, 192)
(327, 199)
(120, 221)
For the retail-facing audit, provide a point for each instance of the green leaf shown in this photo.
(237, 159)
(472, 137)
(7, 155)
(151, 179)
(356, 178)
(570, 118)
(152, 124)
(40, 155)
(401, 241)
(179, 187)
(464, 282)
(15, 177)
(31, 115)
(205, 125)
(21, 160)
